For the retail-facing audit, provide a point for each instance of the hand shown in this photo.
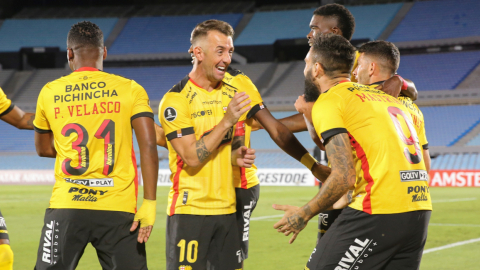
(146, 217)
(292, 221)
(236, 108)
(301, 104)
(392, 86)
(321, 172)
(244, 157)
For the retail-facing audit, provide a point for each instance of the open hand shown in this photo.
(292, 222)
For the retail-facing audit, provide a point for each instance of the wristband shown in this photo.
(146, 213)
(404, 83)
(240, 129)
(308, 161)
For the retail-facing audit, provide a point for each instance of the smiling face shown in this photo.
(322, 25)
(216, 51)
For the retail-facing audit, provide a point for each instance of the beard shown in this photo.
(311, 92)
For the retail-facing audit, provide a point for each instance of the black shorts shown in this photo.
(67, 232)
(3, 228)
(192, 240)
(360, 241)
(325, 221)
(246, 201)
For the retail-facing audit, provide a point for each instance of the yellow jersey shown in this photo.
(245, 177)
(418, 120)
(355, 64)
(5, 104)
(390, 175)
(90, 114)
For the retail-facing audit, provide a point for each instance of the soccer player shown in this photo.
(21, 120)
(378, 61)
(85, 121)
(364, 133)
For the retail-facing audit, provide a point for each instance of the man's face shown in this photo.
(217, 55)
(361, 73)
(311, 92)
(321, 25)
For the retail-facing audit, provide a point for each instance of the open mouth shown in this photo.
(221, 69)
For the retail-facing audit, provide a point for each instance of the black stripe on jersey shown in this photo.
(425, 146)
(377, 83)
(177, 88)
(142, 114)
(233, 72)
(41, 131)
(330, 133)
(7, 110)
(254, 110)
(180, 133)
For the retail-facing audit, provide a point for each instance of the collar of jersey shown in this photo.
(204, 90)
(376, 83)
(340, 82)
(87, 69)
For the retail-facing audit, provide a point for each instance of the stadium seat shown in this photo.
(268, 26)
(166, 34)
(467, 161)
(445, 125)
(439, 71)
(29, 92)
(18, 33)
(429, 20)
(475, 141)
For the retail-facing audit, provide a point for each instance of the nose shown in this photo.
(227, 58)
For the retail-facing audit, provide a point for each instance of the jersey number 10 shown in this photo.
(105, 132)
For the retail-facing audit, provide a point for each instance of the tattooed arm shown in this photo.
(341, 180)
(195, 153)
(19, 118)
(241, 155)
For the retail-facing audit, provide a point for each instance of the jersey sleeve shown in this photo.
(141, 102)
(5, 104)
(41, 124)
(246, 85)
(327, 116)
(422, 136)
(174, 116)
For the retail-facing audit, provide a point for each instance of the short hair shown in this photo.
(383, 50)
(334, 53)
(84, 34)
(202, 29)
(345, 19)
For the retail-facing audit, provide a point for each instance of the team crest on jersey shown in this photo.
(170, 114)
(185, 267)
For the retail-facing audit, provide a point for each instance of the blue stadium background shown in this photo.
(440, 53)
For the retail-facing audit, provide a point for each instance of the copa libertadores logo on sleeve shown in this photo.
(170, 114)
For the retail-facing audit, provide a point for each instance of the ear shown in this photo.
(317, 70)
(198, 52)
(104, 52)
(336, 31)
(70, 54)
(371, 68)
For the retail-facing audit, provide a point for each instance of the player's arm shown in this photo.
(242, 156)
(44, 144)
(160, 136)
(427, 159)
(396, 85)
(146, 138)
(294, 123)
(195, 152)
(18, 118)
(339, 182)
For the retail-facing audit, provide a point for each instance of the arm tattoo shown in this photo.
(296, 221)
(349, 196)
(202, 151)
(339, 154)
(238, 141)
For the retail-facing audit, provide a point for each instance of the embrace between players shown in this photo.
(377, 164)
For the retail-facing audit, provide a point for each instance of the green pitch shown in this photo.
(456, 217)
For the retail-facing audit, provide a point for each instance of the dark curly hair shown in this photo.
(83, 34)
(345, 20)
(385, 51)
(334, 53)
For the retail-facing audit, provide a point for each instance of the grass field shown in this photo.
(456, 217)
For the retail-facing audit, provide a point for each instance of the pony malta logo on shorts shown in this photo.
(170, 114)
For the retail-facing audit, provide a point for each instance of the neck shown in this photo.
(199, 76)
(378, 78)
(98, 64)
(327, 83)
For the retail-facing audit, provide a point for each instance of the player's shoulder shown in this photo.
(178, 92)
(120, 79)
(180, 86)
(239, 80)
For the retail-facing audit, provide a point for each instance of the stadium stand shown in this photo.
(475, 141)
(268, 26)
(439, 71)
(28, 93)
(254, 71)
(289, 82)
(194, 9)
(469, 161)
(446, 19)
(18, 33)
(5, 75)
(167, 34)
(445, 125)
(15, 140)
(77, 12)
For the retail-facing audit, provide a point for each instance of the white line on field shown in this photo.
(454, 225)
(265, 217)
(452, 245)
(455, 200)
